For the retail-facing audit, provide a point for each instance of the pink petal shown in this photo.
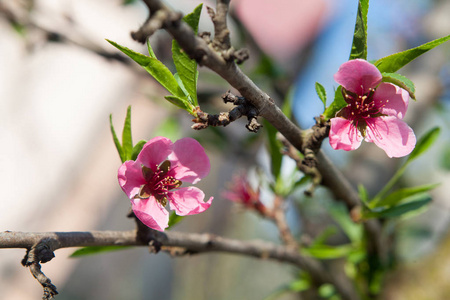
(155, 152)
(391, 99)
(130, 178)
(392, 135)
(189, 160)
(343, 135)
(151, 213)
(188, 201)
(358, 76)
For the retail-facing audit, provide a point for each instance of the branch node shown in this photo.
(312, 142)
(241, 55)
(242, 108)
(159, 18)
(206, 36)
(41, 252)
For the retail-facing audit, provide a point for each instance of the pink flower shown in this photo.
(240, 191)
(154, 179)
(374, 111)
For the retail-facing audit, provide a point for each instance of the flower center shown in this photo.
(159, 183)
(360, 108)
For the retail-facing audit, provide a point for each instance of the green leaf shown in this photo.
(274, 148)
(137, 149)
(181, 103)
(412, 203)
(116, 140)
(91, 250)
(328, 252)
(424, 143)
(359, 45)
(336, 105)
(339, 213)
(322, 93)
(128, 2)
(394, 62)
(155, 68)
(296, 286)
(187, 67)
(363, 194)
(187, 70)
(286, 107)
(421, 146)
(193, 18)
(151, 53)
(324, 235)
(127, 141)
(401, 194)
(445, 158)
(400, 81)
(299, 285)
(174, 219)
(326, 290)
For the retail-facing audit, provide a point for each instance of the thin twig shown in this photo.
(242, 108)
(191, 242)
(279, 217)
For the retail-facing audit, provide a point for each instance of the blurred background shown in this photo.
(60, 80)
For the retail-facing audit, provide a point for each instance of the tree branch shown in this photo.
(198, 49)
(191, 242)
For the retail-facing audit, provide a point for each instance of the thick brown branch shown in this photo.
(193, 243)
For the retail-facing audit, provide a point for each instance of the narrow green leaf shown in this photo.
(127, 141)
(181, 103)
(187, 67)
(91, 250)
(141, 59)
(302, 181)
(137, 149)
(328, 252)
(412, 203)
(116, 140)
(299, 285)
(363, 194)
(174, 219)
(187, 70)
(359, 45)
(286, 107)
(400, 81)
(326, 291)
(324, 235)
(401, 194)
(424, 143)
(421, 146)
(193, 18)
(322, 93)
(339, 213)
(336, 105)
(296, 286)
(128, 2)
(274, 148)
(155, 68)
(151, 53)
(445, 158)
(396, 61)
